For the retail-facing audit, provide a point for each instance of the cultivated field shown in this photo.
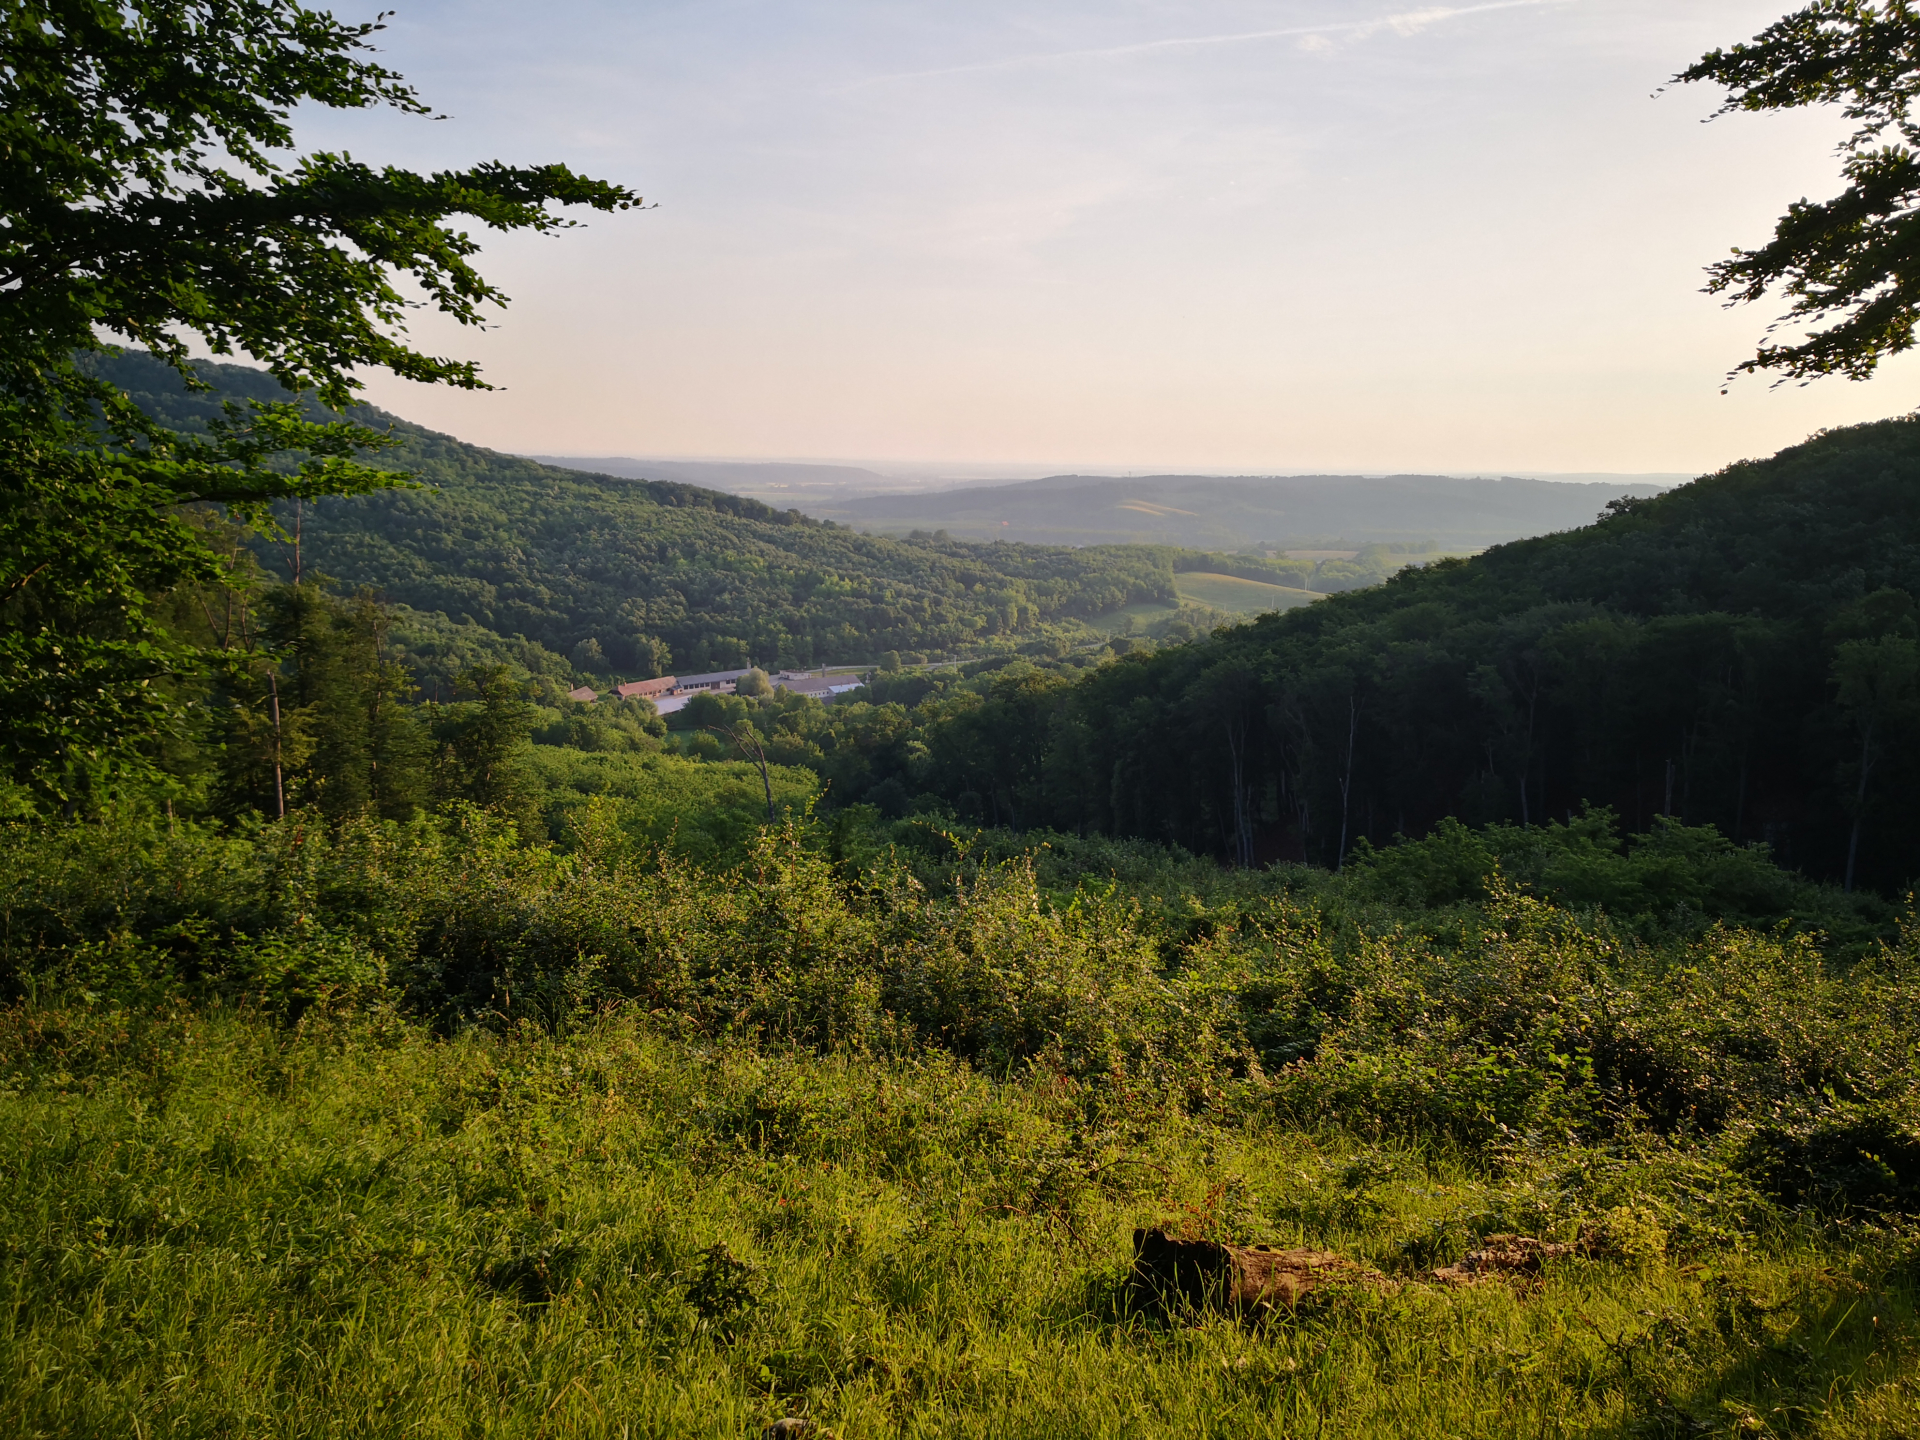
(1241, 597)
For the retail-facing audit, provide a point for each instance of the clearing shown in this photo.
(1242, 597)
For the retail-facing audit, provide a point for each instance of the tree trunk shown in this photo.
(1860, 802)
(279, 780)
(1346, 784)
(1242, 822)
(1526, 755)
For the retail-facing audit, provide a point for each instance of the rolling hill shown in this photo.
(1230, 513)
(1743, 651)
(632, 577)
(781, 484)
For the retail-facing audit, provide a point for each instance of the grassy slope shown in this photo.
(215, 1227)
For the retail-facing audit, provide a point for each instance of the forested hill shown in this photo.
(1740, 651)
(636, 577)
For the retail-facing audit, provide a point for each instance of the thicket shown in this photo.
(1512, 1016)
(587, 1136)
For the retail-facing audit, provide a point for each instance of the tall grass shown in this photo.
(215, 1226)
(416, 1131)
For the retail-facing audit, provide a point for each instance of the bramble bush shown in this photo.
(1511, 1020)
(587, 1131)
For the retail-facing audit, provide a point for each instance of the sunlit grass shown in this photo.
(214, 1227)
(1243, 597)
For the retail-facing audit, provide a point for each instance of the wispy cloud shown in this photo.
(1314, 37)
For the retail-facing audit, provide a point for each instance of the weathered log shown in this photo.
(1204, 1275)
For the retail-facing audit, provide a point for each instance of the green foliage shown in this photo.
(144, 199)
(347, 738)
(609, 724)
(90, 534)
(1734, 653)
(658, 574)
(708, 812)
(1514, 1016)
(213, 1223)
(1859, 1160)
(1676, 877)
(483, 744)
(1845, 257)
(810, 1135)
(148, 133)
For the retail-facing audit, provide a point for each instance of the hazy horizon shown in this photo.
(1365, 235)
(1012, 472)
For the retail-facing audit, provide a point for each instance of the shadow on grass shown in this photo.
(1840, 1353)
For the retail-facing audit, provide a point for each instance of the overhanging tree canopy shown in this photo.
(1850, 265)
(149, 192)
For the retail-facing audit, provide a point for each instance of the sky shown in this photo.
(1220, 235)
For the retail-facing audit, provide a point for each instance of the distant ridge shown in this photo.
(769, 480)
(707, 471)
(1230, 512)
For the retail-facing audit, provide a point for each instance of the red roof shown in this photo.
(646, 688)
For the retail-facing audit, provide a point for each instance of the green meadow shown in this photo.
(218, 1226)
(1240, 597)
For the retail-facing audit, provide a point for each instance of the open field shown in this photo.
(1244, 597)
(1145, 613)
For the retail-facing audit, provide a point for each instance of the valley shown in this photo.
(547, 947)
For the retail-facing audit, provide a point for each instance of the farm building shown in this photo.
(647, 689)
(715, 681)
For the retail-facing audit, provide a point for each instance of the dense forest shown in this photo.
(1740, 652)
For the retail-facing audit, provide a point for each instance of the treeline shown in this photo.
(312, 710)
(1742, 652)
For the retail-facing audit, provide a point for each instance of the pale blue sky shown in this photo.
(1227, 234)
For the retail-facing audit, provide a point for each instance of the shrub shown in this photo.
(1861, 1159)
